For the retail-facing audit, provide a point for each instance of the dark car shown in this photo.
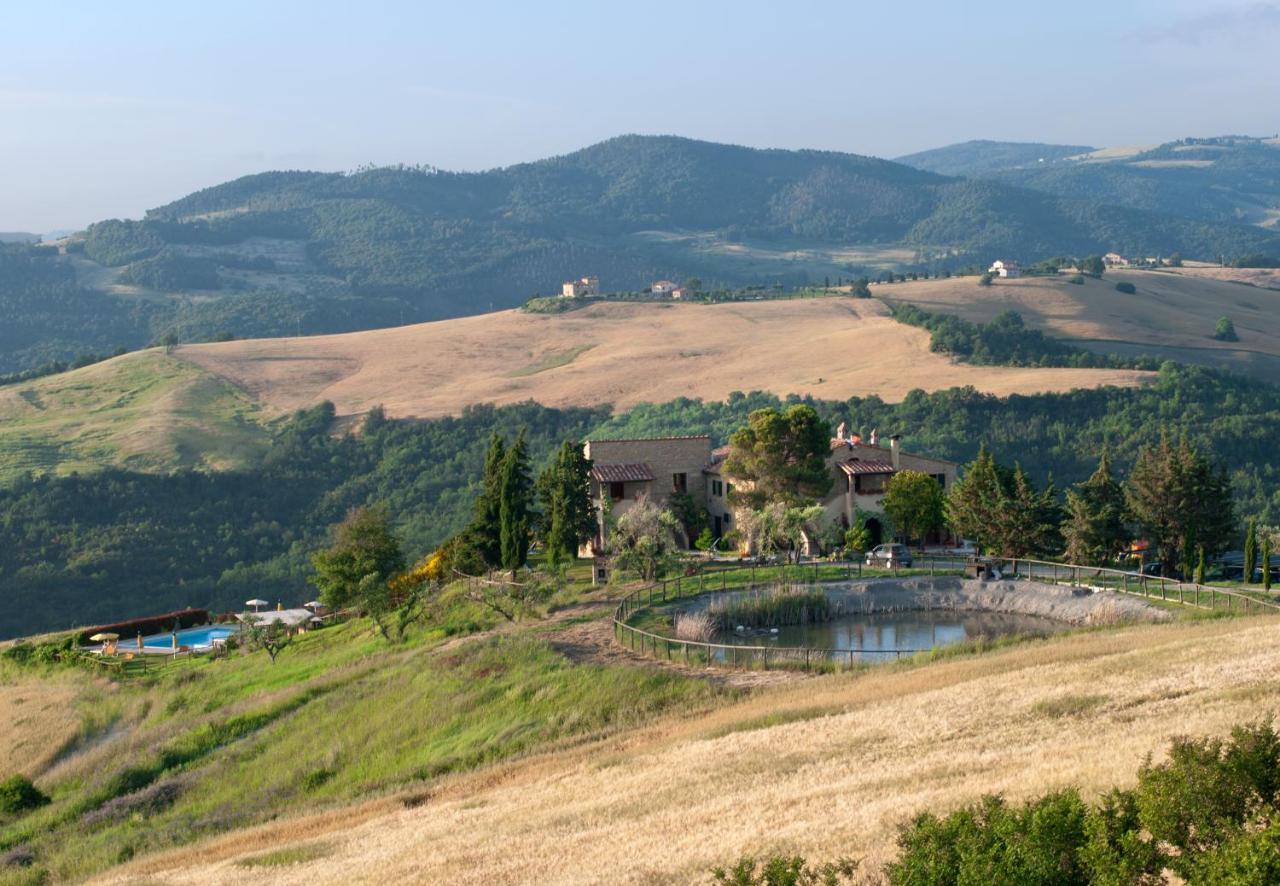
(889, 556)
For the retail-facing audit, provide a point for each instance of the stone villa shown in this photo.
(656, 468)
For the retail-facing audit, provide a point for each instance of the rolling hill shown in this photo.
(208, 404)
(307, 252)
(1171, 315)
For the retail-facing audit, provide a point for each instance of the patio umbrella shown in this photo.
(104, 637)
(255, 605)
(314, 604)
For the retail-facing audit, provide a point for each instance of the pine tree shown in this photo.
(568, 516)
(1250, 549)
(1095, 529)
(515, 490)
(976, 503)
(486, 525)
(1180, 500)
(1028, 520)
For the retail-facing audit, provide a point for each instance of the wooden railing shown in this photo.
(745, 578)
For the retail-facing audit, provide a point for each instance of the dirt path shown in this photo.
(593, 642)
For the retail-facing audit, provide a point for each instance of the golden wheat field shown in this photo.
(619, 354)
(825, 767)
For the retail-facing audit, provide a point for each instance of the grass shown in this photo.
(146, 411)
(342, 716)
(831, 767)
(774, 607)
(550, 360)
(288, 856)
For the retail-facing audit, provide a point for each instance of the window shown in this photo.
(728, 519)
(679, 483)
(728, 489)
(942, 480)
(870, 484)
(617, 491)
(717, 488)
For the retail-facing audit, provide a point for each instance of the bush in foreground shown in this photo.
(1209, 814)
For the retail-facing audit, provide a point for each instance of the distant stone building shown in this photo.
(625, 471)
(680, 293)
(663, 287)
(1001, 268)
(1115, 260)
(581, 288)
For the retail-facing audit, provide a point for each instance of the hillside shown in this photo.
(983, 157)
(1172, 314)
(478, 760)
(307, 252)
(207, 405)
(1231, 179)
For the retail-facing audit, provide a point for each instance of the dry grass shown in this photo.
(620, 354)
(696, 627)
(827, 770)
(1172, 314)
(39, 718)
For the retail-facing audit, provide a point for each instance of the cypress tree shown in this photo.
(1266, 561)
(1250, 549)
(513, 510)
(486, 525)
(568, 516)
(1200, 565)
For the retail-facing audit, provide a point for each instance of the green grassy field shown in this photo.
(146, 411)
(201, 747)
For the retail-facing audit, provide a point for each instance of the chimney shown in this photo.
(893, 448)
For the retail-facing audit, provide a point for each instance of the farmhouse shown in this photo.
(663, 287)
(580, 288)
(658, 468)
(1003, 268)
(1115, 260)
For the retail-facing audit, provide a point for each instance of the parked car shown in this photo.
(889, 556)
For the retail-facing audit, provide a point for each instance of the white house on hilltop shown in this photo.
(663, 287)
(1001, 268)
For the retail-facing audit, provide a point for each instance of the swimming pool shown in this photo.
(196, 638)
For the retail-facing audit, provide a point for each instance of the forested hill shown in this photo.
(981, 157)
(1227, 179)
(284, 253)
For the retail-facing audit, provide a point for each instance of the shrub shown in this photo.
(774, 608)
(1225, 330)
(992, 842)
(1126, 287)
(18, 794)
(1077, 279)
(785, 870)
(1252, 858)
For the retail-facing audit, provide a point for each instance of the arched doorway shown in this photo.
(875, 531)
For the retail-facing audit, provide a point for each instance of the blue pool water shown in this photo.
(197, 638)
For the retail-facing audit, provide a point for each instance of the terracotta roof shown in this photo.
(866, 467)
(648, 439)
(637, 473)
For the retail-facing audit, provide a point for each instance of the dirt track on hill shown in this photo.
(618, 354)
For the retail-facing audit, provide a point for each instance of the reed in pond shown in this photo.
(774, 608)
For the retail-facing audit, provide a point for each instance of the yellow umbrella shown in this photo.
(104, 637)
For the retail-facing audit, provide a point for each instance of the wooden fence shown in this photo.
(745, 578)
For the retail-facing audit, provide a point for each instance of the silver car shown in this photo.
(890, 556)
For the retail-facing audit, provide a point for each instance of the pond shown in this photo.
(872, 634)
(879, 632)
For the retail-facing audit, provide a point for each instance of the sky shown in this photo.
(107, 110)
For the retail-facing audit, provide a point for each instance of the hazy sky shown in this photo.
(107, 109)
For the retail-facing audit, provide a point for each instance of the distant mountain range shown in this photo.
(307, 252)
(1229, 179)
